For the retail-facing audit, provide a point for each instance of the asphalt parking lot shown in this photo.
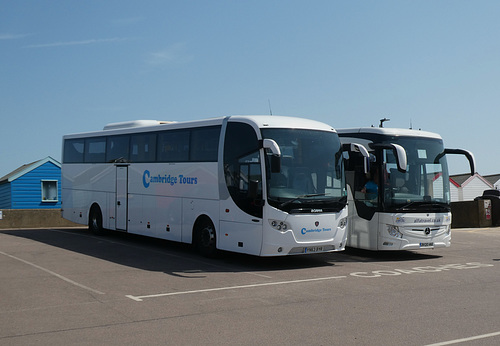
(66, 286)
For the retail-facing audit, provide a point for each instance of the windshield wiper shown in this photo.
(423, 204)
(284, 204)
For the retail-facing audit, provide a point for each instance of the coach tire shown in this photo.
(206, 241)
(95, 220)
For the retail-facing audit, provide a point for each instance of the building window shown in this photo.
(49, 190)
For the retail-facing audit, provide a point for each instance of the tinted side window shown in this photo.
(173, 146)
(143, 147)
(204, 144)
(117, 149)
(73, 150)
(95, 150)
(366, 205)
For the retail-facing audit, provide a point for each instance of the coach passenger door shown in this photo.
(242, 201)
(121, 197)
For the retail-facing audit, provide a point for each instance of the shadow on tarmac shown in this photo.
(179, 259)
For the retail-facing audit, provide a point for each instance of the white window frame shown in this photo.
(46, 189)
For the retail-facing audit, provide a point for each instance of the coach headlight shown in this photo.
(343, 222)
(394, 231)
(278, 225)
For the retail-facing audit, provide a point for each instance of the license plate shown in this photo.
(314, 249)
(426, 244)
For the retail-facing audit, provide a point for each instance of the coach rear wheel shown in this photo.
(95, 220)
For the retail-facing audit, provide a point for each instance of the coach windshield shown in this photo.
(311, 178)
(425, 184)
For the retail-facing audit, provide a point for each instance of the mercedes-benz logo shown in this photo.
(427, 231)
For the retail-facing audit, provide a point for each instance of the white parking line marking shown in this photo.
(451, 342)
(141, 298)
(362, 275)
(52, 273)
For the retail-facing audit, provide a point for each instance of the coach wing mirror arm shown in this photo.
(466, 153)
(358, 148)
(399, 153)
(276, 154)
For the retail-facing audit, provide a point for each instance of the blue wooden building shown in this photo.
(36, 185)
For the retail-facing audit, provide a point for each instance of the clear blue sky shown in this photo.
(73, 66)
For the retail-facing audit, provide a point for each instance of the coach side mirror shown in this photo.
(398, 151)
(358, 148)
(275, 156)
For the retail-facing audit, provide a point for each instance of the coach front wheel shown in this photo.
(206, 238)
